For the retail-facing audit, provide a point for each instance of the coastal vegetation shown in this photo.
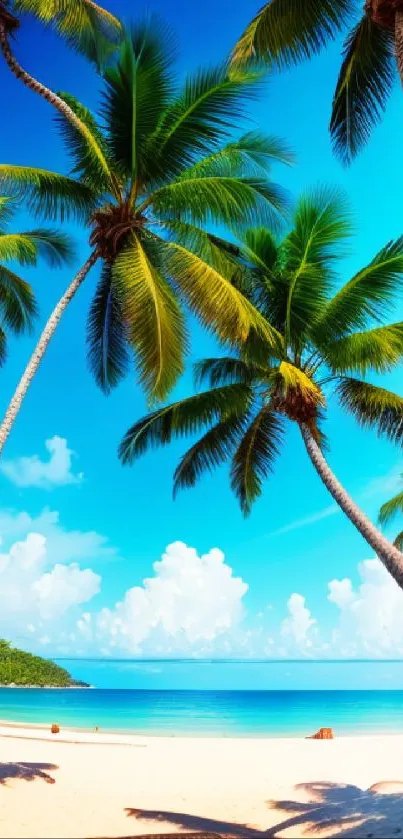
(22, 669)
(324, 341)
(285, 32)
(164, 165)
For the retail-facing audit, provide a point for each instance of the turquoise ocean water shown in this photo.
(222, 698)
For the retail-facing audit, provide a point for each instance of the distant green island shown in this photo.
(21, 669)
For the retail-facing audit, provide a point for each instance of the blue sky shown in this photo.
(111, 524)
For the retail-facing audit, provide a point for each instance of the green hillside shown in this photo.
(20, 668)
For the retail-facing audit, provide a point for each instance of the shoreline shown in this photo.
(20, 729)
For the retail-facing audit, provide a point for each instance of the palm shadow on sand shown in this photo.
(340, 810)
(26, 772)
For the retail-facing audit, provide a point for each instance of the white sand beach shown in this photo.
(105, 785)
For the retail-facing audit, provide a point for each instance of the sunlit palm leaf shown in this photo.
(377, 349)
(211, 295)
(153, 315)
(47, 193)
(364, 84)
(286, 31)
(189, 416)
(289, 377)
(25, 248)
(212, 450)
(398, 542)
(87, 26)
(368, 295)
(373, 407)
(17, 302)
(255, 457)
(7, 209)
(390, 509)
(107, 335)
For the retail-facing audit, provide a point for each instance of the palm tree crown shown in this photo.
(323, 340)
(287, 31)
(149, 180)
(17, 301)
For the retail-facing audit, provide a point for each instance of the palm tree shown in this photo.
(86, 26)
(285, 32)
(17, 301)
(324, 340)
(388, 512)
(163, 169)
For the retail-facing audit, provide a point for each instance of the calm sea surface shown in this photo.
(237, 699)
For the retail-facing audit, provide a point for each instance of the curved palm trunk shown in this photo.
(33, 84)
(399, 41)
(387, 553)
(40, 349)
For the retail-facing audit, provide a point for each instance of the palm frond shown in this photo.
(3, 347)
(378, 349)
(86, 147)
(53, 247)
(220, 199)
(210, 294)
(188, 416)
(367, 296)
(364, 84)
(137, 91)
(225, 371)
(321, 225)
(87, 27)
(373, 407)
(47, 193)
(398, 542)
(213, 449)
(204, 114)
(390, 509)
(251, 155)
(7, 209)
(255, 456)
(107, 338)
(207, 246)
(154, 318)
(286, 31)
(17, 302)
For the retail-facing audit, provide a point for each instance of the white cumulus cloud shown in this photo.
(297, 626)
(370, 620)
(191, 603)
(45, 474)
(34, 592)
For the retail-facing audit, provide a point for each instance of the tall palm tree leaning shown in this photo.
(145, 186)
(17, 301)
(285, 32)
(389, 511)
(87, 27)
(321, 339)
